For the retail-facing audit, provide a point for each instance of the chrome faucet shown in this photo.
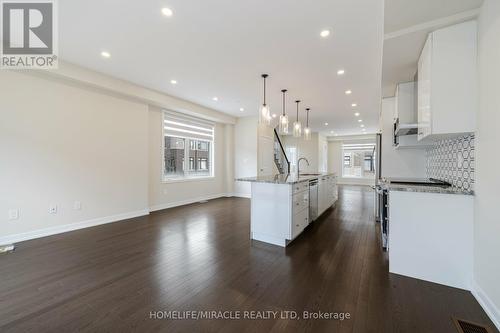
(298, 165)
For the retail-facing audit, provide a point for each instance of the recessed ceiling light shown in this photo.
(242, 109)
(335, 134)
(340, 72)
(215, 98)
(326, 124)
(360, 120)
(332, 132)
(361, 125)
(354, 105)
(356, 114)
(348, 92)
(173, 81)
(167, 11)
(363, 129)
(325, 33)
(274, 115)
(105, 54)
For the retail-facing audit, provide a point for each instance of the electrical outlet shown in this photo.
(77, 205)
(53, 209)
(13, 214)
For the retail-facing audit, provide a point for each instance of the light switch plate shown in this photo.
(13, 214)
(53, 209)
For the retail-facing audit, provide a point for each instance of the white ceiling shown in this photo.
(220, 48)
(407, 24)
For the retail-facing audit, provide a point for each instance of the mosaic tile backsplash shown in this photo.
(452, 160)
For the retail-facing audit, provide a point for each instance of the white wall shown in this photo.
(335, 157)
(305, 148)
(77, 135)
(245, 153)
(322, 153)
(409, 163)
(265, 151)
(168, 194)
(61, 143)
(487, 194)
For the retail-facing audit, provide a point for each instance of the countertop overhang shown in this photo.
(284, 179)
(423, 188)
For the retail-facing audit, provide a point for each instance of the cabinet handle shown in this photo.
(298, 203)
(296, 225)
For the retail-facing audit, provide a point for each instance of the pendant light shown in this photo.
(265, 113)
(283, 125)
(297, 126)
(307, 130)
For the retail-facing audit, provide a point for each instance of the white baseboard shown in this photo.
(355, 181)
(241, 195)
(10, 239)
(268, 239)
(188, 201)
(488, 306)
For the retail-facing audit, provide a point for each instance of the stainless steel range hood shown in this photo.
(405, 129)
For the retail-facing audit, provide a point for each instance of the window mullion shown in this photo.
(186, 157)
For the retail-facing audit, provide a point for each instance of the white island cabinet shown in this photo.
(280, 205)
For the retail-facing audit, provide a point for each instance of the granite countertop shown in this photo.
(424, 188)
(284, 179)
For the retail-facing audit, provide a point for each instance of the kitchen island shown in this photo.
(282, 206)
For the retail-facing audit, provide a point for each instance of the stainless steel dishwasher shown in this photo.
(313, 200)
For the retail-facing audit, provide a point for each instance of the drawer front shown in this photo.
(299, 222)
(300, 187)
(300, 201)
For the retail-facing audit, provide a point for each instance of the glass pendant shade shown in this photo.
(265, 115)
(307, 133)
(283, 125)
(307, 130)
(297, 126)
(297, 129)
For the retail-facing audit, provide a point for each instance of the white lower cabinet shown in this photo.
(431, 237)
(299, 222)
(327, 193)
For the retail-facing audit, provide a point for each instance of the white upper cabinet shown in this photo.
(405, 103)
(447, 82)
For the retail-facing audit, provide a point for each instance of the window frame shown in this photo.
(187, 145)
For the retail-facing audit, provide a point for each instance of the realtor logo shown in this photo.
(28, 34)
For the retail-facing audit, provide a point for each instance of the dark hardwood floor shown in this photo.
(199, 257)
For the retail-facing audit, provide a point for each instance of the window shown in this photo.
(359, 160)
(188, 147)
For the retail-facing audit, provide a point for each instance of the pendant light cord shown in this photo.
(297, 120)
(284, 92)
(264, 76)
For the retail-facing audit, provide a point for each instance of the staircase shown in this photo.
(280, 158)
